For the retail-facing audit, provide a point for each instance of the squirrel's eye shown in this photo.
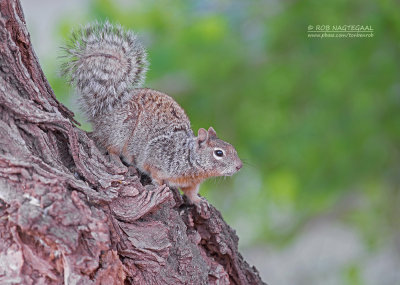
(219, 153)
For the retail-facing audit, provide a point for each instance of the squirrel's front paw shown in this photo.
(202, 206)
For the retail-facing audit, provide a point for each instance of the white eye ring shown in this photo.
(218, 156)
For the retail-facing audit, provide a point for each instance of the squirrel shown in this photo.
(140, 126)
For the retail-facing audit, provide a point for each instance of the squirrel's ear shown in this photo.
(212, 134)
(202, 136)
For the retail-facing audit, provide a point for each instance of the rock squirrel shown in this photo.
(140, 126)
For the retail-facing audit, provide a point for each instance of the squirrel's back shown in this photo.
(106, 63)
(150, 116)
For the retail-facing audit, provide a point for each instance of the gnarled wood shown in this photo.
(68, 215)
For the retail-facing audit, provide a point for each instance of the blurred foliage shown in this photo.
(316, 120)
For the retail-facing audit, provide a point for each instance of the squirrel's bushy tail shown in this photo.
(105, 62)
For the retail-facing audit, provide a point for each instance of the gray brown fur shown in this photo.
(144, 127)
(105, 62)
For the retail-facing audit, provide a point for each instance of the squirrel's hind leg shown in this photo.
(126, 157)
(153, 173)
(114, 157)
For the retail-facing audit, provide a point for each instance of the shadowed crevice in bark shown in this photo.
(69, 215)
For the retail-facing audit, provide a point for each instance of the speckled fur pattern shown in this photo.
(143, 127)
(105, 62)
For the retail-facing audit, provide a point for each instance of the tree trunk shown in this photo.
(68, 215)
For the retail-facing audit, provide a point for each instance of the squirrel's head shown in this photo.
(216, 155)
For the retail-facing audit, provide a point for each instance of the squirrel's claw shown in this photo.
(202, 207)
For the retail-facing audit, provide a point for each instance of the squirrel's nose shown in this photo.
(239, 166)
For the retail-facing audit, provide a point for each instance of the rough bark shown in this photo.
(68, 215)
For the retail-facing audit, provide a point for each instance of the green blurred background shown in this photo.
(316, 121)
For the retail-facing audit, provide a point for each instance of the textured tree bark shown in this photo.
(68, 215)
